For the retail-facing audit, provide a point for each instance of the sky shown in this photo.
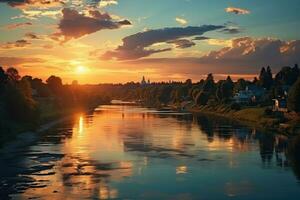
(112, 41)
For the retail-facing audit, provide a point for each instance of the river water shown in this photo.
(130, 152)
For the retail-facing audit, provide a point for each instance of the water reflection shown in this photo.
(129, 152)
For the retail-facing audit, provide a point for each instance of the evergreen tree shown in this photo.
(209, 85)
(266, 78)
(294, 97)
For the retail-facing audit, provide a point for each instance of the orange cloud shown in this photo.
(237, 11)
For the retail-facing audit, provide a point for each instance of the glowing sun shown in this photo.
(80, 69)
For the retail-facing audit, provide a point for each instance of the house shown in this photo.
(252, 93)
(280, 105)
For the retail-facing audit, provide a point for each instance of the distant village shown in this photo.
(268, 89)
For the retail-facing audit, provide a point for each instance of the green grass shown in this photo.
(253, 116)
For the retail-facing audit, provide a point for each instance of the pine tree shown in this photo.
(294, 97)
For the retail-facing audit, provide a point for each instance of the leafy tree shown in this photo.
(225, 89)
(19, 104)
(294, 97)
(241, 84)
(188, 82)
(3, 79)
(40, 87)
(55, 84)
(287, 75)
(13, 74)
(202, 98)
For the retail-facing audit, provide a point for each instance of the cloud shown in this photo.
(35, 14)
(32, 36)
(15, 61)
(33, 3)
(75, 25)
(181, 21)
(244, 56)
(17, 44)
(18, 25)
(237, 11)
(104, 3)
(201, 38)
(231, 30)
(182, 43)
(135, 46)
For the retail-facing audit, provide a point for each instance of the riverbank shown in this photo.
(28, 137)
(254, 116)
(25, 134)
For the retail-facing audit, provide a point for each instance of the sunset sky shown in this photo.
(96, 41)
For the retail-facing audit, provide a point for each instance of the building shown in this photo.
(252, 93)
(144, 82)
(280, 105)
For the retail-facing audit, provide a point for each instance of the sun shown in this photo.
(80, 69)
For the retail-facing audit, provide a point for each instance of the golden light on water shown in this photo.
(181, 169)
(80, 125)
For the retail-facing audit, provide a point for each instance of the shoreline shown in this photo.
(26, 138)
(265, 124)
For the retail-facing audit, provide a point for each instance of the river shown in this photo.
(130, 152)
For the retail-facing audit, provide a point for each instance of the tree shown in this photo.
(189, 82)
(287, 75)
(225, 89)
(202, 98)
(3, 79)
(209, 85)
(241, 84)
(19, 104)
(266, 78)
(13, 74)
(55, 84)
(294, 97)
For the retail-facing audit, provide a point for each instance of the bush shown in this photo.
(235, 106)
(268, 111)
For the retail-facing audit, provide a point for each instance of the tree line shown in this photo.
(208, 91)
(25, 102)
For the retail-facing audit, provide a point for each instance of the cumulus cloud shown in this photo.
(244, 56)
(75, 25)
(181, 21)
(136, 46)
(237, 11)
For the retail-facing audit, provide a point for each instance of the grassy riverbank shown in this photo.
(254, 116)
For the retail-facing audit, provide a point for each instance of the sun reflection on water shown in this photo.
(181, 169)
(112, 149)
(80, 125)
